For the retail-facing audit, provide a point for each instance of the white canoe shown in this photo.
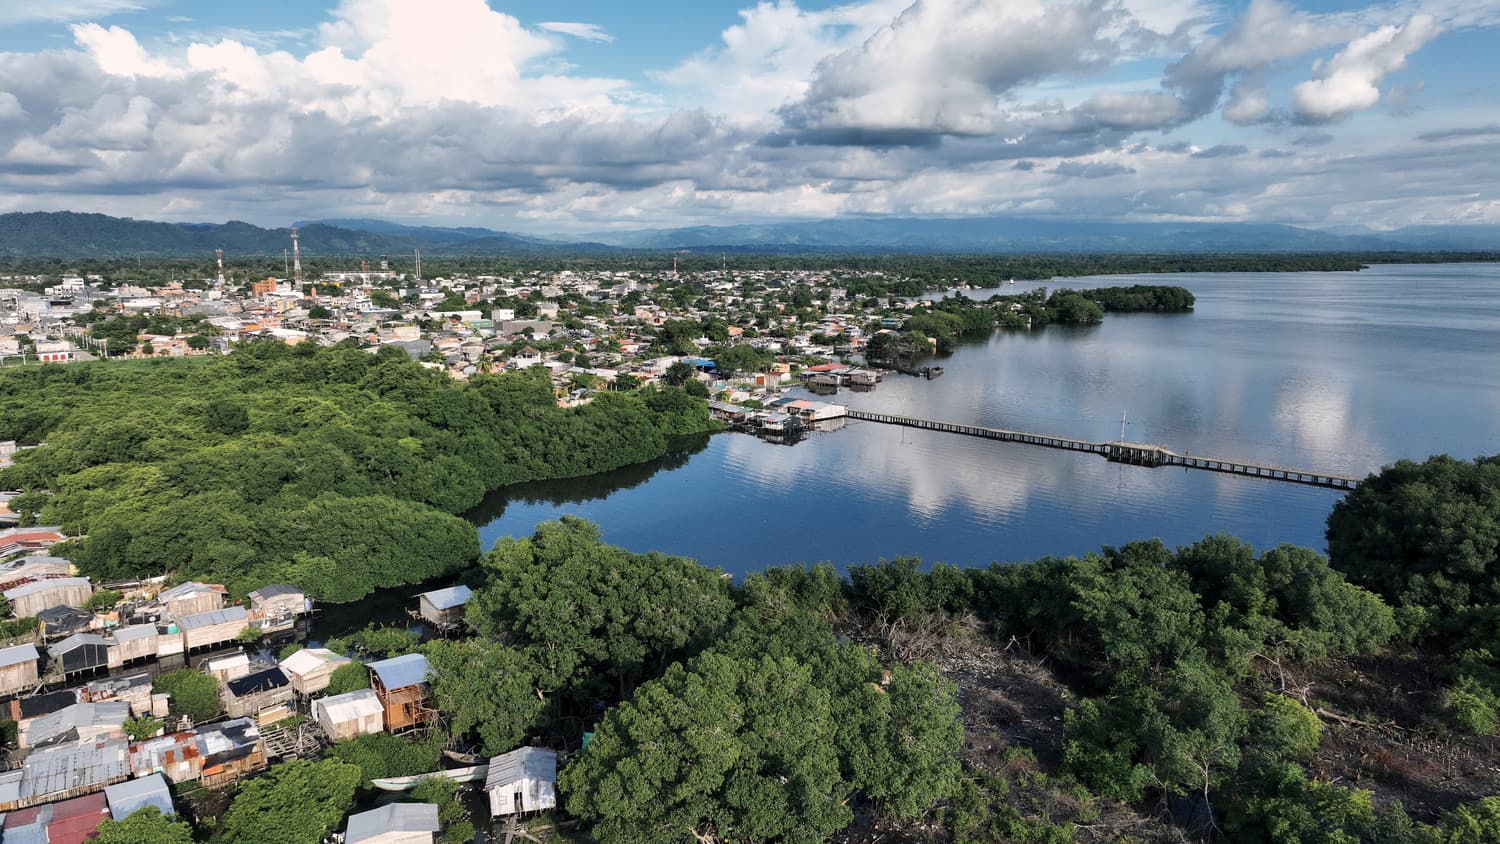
(475, 773)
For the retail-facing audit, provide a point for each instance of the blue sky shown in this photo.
(558, 117)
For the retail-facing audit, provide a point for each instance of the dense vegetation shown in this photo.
(1426, 537)
(334, 469)
(948, 320)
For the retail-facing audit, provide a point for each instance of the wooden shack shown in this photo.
(217, 754)
(33, 568)
(137, 641)
(444, 608)
(523, 780)
(310, 669)
(215, 627)
(28, 599)
(191, 598)
(277, 606)
(132, 689)
(253, 694)
(18, 669)
(64, 771)
(24, 710)
(63, 621)
(227, 667)
(401, 684)
(349, 715)
(80, 652)
(79, 722)
(169, 640)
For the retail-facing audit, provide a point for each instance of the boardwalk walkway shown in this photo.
(1135, 454)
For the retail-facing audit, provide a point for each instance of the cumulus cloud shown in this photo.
(1248, 103)
(62, 11)
(585, 31)
(940, 66)
(1349, 82)
(1270, 31)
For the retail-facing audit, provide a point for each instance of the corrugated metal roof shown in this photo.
(401, 671)
(77, 640)
(534, 763)
(44, 586)
(445, 599)
(392, 817)
(71, 718)
(275, 589)
(18, 654)
(212, 617)
(188, 590)
(128, 796)
(135, 631)
(64, 767)
(350, 706)
(312, 659)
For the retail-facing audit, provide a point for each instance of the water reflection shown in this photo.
(1341, 372)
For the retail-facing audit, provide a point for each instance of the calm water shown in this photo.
(1335, 371)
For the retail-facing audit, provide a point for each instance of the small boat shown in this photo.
(464, 758)
(475, 773)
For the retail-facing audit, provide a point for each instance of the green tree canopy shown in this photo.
(297, 802)
(144, 826)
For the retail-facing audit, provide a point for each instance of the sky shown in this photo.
(573, 117)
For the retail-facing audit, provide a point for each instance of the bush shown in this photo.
(348, 677)
(194, 693)
(381, 755)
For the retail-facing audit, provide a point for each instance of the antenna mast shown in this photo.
(419, 264)
(296, 260)
(219, 255)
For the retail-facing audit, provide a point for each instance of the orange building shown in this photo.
(261, 288)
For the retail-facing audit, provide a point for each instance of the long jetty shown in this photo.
(1117, 451)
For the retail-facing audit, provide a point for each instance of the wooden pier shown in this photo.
(1134, 454)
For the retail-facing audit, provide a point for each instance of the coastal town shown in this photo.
(92, 736)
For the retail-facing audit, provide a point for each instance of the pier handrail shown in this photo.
(1125, 452)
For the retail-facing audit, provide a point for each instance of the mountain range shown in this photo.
(79, 235)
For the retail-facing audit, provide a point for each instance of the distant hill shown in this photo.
(1021, 234)
(75, 235)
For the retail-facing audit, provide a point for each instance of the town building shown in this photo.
(523, 780)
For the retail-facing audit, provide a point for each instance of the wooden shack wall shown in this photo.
(133, 649)
(18, 677)
(211, 634)
(205, 602)
(251, 704)
(56, 596)
(313, 681)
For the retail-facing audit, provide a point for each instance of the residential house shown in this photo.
(262, 695)
(67, 822)
(191, 598)
(444, 608)
(214, 627)
(63, 771)
(80, 652)
(62, 622)
(276, 606)
(134, 690)
(346, 716)
(18, 668)
(523, 780)
(130, 796)
(394, 823)
(79, 722)
(401, 684)
(310, 669)
(31, 598)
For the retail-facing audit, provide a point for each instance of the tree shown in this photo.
(724, 748)
(380, 755)
(679, 373)
(297, 802)
(319, 312)
(579, 607)
(102, 600)
(194, 693)
(144, 826)
(142, 727)
(1425, 535)
(349, 677)
(443, 793)
(226, 417)
(486, 689)
(383, 299)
